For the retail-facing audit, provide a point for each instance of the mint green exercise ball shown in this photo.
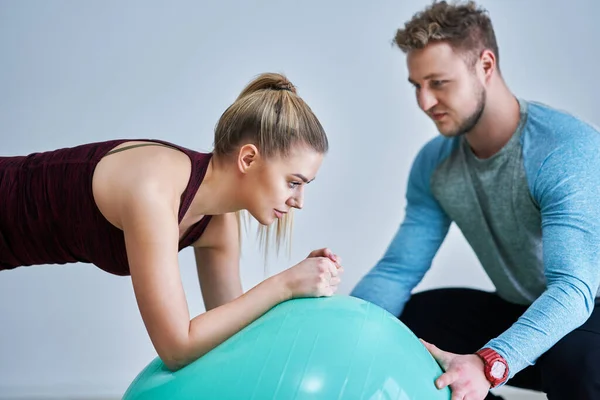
(332, 348)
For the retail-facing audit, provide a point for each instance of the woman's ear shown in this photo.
(247, 157)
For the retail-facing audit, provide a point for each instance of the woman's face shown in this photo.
(272, 186)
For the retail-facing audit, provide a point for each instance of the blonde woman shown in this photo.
(129, 207)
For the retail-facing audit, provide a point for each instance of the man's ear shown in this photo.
(488, 64)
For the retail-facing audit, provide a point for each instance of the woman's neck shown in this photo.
(219, 192)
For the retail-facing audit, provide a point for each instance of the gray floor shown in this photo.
(517, 394)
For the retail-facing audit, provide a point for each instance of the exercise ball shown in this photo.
(332, 348)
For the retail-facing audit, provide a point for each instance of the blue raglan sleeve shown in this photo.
(411, 251)
(566, 187)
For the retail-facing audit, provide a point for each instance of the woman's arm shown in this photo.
(149, 222)
(217, 254)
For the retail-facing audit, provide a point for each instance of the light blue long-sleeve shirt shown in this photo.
(531, 213)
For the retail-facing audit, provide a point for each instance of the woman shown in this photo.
(130, 206)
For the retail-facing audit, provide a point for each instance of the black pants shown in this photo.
(463, 320)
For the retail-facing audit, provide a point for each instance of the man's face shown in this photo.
(447, 89)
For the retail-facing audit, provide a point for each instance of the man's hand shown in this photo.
(463, 373)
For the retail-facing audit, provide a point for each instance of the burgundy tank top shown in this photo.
(48, 214)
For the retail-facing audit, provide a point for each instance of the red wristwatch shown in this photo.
(495, 366)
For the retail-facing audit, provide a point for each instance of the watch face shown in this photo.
(498, 369)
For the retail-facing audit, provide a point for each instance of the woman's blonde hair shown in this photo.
(269, 114)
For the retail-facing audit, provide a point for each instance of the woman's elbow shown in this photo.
(172, 364)
(174, 355)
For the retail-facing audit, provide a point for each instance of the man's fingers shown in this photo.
(458, 396)
(440, 355)
(446, 379)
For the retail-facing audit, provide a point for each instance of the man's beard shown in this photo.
(469, 123)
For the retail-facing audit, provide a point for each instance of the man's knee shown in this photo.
(420, 313)
(449, 318)
(571, 369)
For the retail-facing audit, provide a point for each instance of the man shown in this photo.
(522, 182)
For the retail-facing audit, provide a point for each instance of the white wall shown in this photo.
(74, 72)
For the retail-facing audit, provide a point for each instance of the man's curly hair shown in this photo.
(464, 25)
